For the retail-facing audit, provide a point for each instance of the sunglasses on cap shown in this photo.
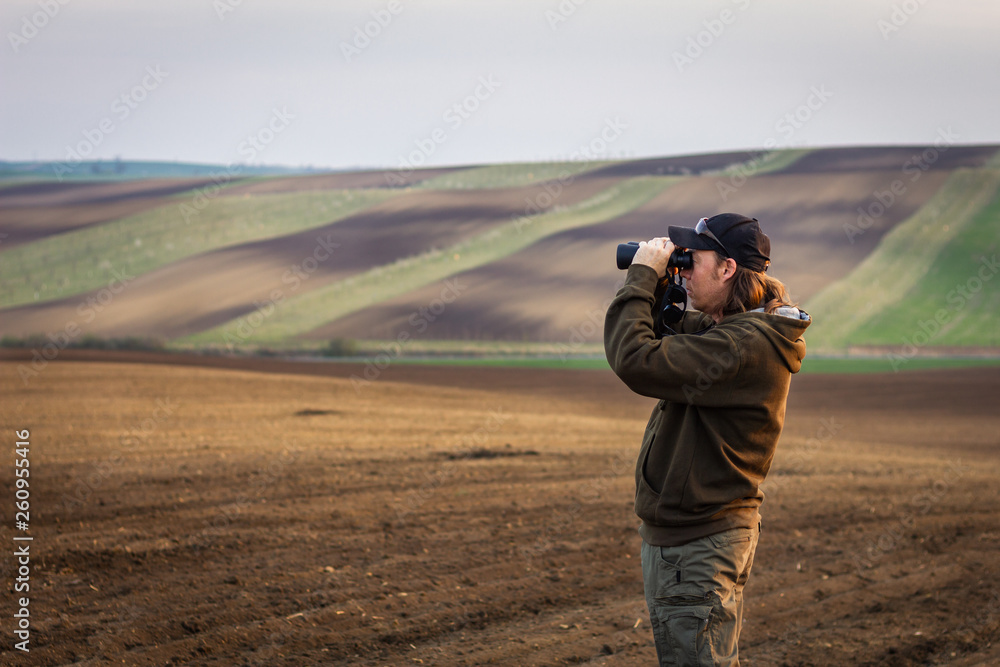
(702, 229)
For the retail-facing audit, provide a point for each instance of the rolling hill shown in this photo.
(871, 240)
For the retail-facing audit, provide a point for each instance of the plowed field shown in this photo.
(284, 514)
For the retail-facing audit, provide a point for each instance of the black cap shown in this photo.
(736, 236)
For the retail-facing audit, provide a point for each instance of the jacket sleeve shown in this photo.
(686, 368)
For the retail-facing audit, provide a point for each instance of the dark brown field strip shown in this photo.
(672, 166)
(913, 159)
(95, 192)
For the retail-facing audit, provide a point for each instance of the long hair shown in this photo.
(753, 289)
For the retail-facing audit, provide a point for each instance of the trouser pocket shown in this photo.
(682, 635)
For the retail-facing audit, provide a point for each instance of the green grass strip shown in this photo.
(75, 262)
(301, 314)
(817, 366)
(830, 365)
(510, 175)
(900, 261)
(958, 302)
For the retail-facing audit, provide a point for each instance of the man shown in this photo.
(722, 378)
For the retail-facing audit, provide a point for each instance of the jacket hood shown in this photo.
(783, 329)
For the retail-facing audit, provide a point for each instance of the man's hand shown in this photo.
(654, 254)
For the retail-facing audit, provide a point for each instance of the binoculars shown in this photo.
(680, 258)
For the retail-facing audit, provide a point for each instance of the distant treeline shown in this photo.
(338, 347)
(118, 169)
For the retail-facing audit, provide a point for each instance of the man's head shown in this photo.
(730, 255)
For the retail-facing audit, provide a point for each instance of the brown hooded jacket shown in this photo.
(710, 441)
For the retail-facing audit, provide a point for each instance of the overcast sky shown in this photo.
(393, 83)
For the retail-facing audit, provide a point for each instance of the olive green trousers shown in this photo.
(695, 597)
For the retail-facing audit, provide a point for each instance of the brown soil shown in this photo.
(255, 516)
